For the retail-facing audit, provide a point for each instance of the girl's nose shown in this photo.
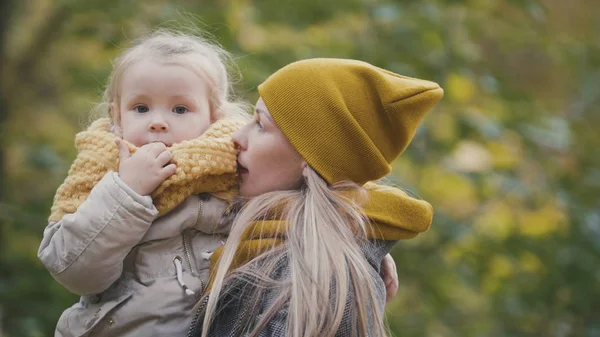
(158, 126)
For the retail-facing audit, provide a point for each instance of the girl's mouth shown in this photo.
(167, 144)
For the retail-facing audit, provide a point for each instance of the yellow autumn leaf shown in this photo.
(506, 153)
(432, 39)
(236, 15)
(546, 220)
(452, 192)
(459, 88)
(529, 262)
(496, 220)
(443, 127)
(500, 269)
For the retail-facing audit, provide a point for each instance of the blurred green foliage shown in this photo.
(510, 158)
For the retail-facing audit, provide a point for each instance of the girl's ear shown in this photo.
(215, 115)
(115, 117)
(113, 113)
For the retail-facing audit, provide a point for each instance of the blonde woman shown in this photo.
(303, 255)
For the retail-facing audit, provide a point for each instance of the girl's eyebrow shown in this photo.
(184, 97)
(135, 96)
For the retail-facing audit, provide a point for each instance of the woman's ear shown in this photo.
(304, 166)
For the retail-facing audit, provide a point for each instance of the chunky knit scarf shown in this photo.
(206, 164)
(392, 213)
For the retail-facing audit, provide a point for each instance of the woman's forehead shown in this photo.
(262, 109)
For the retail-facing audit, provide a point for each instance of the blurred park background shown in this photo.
(510, 159)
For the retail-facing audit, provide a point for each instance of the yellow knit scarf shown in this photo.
(393, 215)
(206, 164)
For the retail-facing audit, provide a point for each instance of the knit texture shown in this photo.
(206, 164)
(392, 214)
(360, 117)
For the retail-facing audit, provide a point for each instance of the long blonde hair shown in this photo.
(204, 57)
(317, 291)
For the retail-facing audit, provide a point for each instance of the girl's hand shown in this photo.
(390, 276)
(147, 168)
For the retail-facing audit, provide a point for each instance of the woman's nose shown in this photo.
(239, 140)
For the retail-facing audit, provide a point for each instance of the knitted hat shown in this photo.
(348, 119)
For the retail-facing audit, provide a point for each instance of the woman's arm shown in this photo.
(84, 251)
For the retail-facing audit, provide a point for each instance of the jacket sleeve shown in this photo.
(84, 251)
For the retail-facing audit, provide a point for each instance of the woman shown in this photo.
(322, 129)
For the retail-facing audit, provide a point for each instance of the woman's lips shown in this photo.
(241, 169)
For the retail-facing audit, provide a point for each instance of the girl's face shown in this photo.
(267, 161)
(165, 103)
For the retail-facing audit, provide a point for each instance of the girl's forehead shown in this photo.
(148, 72)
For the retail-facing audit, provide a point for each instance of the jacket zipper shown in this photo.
(188, 255)
(195, 321)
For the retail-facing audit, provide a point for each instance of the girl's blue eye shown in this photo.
(180, 110)
(141, 108)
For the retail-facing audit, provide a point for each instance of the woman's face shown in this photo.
(267, 161)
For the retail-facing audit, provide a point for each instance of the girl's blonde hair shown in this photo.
(325, 232)
(206, 58)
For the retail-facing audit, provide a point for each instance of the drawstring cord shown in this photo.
(206, 255)
(179, 269)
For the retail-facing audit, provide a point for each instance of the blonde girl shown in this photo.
(134, 223)
(303, 258)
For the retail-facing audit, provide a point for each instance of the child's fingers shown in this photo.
(123, 150)
(164, 158)
(167, 171)
(155, 149)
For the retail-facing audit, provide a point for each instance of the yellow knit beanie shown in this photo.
(348, 119)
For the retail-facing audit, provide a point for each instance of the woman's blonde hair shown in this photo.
(204, 57)
(325, 231)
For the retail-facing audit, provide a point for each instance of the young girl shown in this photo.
(322, 129)
(134, 223)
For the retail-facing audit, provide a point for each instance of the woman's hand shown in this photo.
(390, 276)
(147, 168)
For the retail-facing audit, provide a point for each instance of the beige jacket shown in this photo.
(122, 260)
